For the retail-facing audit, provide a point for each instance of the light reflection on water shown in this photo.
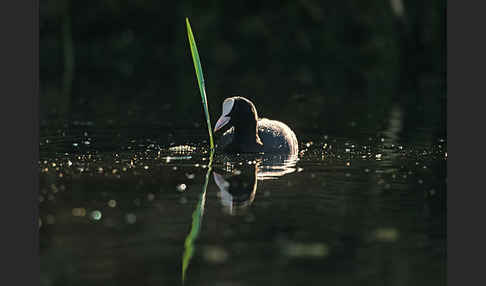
(371, 207)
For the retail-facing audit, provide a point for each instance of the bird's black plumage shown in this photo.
(251, 134)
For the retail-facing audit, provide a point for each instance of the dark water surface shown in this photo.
(126, 206)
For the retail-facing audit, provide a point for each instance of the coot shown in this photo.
(250, 134)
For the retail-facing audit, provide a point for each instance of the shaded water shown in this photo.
(125, 206)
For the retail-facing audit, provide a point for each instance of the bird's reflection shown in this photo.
(238, 182)
(238, 190)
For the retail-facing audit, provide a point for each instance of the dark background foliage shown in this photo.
(319, 65)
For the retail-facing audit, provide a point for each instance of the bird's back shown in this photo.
(276, 137)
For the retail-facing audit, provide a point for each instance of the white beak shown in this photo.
(226, 197)
(220, 181)
(222, 121)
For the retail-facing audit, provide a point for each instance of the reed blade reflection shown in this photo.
(197, 217)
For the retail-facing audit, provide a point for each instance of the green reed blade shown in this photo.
(200, 79)
(197, 217)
